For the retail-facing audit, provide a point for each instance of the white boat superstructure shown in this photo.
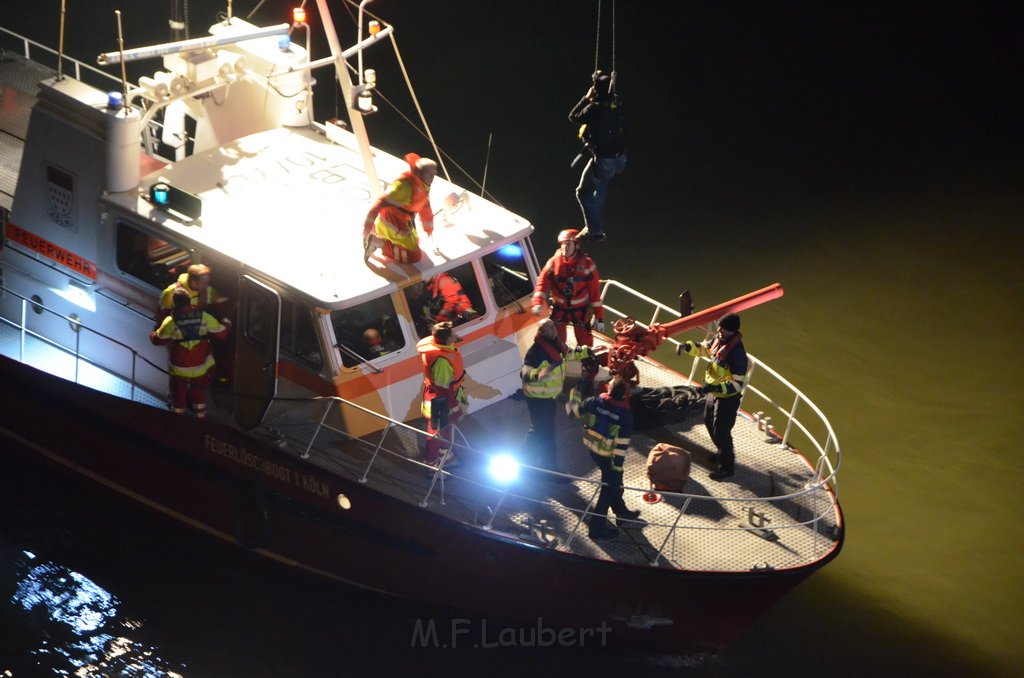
(276, 208)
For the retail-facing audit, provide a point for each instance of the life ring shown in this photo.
(252, 520)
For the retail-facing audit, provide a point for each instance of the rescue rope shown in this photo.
(597, 40)
(424, 131)
(416, 102)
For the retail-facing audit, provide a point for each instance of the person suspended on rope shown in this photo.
(390, 224)
(603, 133)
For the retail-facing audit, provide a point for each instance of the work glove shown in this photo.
(536, 309)
(598, 325)
(708, 388)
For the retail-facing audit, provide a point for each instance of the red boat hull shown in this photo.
(235, 487)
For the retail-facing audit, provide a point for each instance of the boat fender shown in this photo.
(252, 519)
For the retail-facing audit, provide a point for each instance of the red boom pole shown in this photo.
(633, 341)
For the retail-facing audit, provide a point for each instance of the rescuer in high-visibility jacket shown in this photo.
(446, 300)
(187, 331)
(543, 375)
(571, 280)
(607, 429)
(444, 395)
(195, 281)
(390, 223)
(724, 379)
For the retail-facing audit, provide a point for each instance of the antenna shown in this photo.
(60, 47)
(120, 49)
(487, 163)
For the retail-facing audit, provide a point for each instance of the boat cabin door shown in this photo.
(257, 343)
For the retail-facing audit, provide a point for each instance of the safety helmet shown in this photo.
(568, 234)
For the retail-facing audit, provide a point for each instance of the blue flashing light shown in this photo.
(161, 194)
(284, 43)
(511, 251)
(504, 468)
(165, 196)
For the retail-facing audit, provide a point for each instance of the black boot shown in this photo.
(626, 514)
(721, 473)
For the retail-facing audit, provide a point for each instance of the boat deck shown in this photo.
(713, 526)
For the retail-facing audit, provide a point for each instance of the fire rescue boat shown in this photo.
(311, 455)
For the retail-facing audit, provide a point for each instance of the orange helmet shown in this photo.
(568, 234)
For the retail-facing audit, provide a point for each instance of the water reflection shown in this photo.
(75, 625)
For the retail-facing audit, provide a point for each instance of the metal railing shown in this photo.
(473, 488)
(80, 68)
(77, 327)
(31, 50)
(824, 443)
(820, 490)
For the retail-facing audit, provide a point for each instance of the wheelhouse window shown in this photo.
(367, 331)
(452, 296)
(298, 336)
(507, 274)
(149, 259)
(260, 313)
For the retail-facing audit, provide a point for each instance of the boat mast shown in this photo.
(177, 23)
(345, 80)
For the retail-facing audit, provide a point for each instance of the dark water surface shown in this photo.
(866, 155)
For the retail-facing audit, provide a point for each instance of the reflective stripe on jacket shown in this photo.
(188, 334)
(607, 427)
(571, 283)
(553, 355)
(394, 211)
(726, 372)
(166, 302)
(443, 374)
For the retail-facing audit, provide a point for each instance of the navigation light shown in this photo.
(511, 251)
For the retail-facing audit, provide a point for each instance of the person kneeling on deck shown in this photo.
(543, 375)
(188, 330)
(607, 428)
(444, 398)
(390, 224)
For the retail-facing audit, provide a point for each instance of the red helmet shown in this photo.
(568, 234)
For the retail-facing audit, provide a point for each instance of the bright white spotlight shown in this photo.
(504, 468)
